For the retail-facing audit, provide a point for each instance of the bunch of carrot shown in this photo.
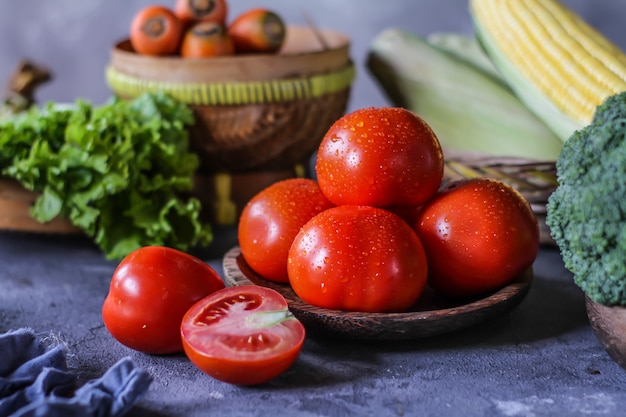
(199, 29)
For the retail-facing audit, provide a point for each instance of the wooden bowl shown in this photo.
(609, 326)
(253, 112)
(432, 315)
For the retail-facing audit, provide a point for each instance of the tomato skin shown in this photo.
(357, 258)
(271, 220)
(156, 30)
(242, 335)
(206, 39)
(258, 31)
(191, 11)
(478, 234)
(380, 157)
(151, 290)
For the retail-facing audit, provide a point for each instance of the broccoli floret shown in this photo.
(586, 214)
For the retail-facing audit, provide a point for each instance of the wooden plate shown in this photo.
(432, 315)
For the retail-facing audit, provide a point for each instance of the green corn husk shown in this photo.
(465, 48)
(470, 108)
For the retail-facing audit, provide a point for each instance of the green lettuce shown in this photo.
(122, 171)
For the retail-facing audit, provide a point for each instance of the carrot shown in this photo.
(193, 11)
(206, 39)
(156, 30)
(258, 31)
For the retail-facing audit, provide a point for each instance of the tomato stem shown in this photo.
(265, 319)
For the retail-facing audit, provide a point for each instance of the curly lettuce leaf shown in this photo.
(122, 172)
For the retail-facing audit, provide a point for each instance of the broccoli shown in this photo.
(586, 214)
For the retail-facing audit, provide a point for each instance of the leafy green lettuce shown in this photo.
(122, 171)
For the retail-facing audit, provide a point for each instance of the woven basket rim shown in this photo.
(236, 93)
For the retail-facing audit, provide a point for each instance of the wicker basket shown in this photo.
(254, 112)
(535, 180)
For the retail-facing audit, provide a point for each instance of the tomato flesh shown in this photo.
(242, 335)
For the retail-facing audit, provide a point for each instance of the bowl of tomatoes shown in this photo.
(264, 92)
(379, 245)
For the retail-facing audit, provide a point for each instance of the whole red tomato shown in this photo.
(270, 221)
(151, 290)
(357, 258)
(242, 335)
(380, 157)
(478, 235)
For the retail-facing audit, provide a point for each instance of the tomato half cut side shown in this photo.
(242, 335)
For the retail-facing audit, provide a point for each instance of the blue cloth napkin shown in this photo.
(35, 381)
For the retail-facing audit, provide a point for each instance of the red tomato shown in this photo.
(357, 258)
(242, 335)
(272, 219)
(156, 30)
(190, 11)
(258, 31)
(151, 290)
(478, 235)
(380, 157)
(206, 39)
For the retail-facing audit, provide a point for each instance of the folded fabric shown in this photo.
(35, 381)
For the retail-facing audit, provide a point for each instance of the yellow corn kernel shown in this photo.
(556, 50)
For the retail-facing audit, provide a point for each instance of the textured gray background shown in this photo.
(73, 37)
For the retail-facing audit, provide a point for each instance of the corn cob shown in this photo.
(449, 83)
(559, 65)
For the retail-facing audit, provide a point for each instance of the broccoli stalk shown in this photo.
(587, 212)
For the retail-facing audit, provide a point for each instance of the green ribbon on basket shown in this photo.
(235, 93)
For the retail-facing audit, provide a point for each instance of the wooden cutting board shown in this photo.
(15, 203)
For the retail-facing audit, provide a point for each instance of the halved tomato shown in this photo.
(242, 335)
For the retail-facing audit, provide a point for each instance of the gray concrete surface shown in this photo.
(540, 359)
